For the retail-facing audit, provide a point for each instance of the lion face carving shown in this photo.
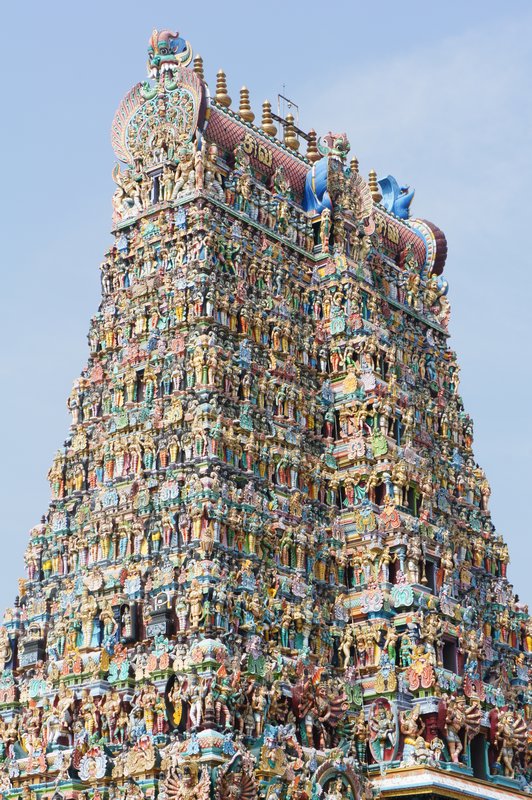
(167, 50)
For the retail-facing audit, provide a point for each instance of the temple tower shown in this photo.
(268, 568)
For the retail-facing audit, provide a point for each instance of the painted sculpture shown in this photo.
(268, 567)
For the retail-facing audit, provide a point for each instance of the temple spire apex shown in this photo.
(290, 135)
(244, 110)
(313, 153)
(267, 124)
(221, 96)
(374, 186)
(198, 67)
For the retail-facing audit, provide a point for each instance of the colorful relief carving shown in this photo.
(268, 568)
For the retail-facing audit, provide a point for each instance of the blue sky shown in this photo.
(436, 94)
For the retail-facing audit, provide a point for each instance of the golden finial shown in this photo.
(374, 186)
(267, 119)
(313, 153)
(290, 135)
(198, 67)
(354, 166)
(221, 96)
(244, 109)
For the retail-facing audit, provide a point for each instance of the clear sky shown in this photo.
(437, 94)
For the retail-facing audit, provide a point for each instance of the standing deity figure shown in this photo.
(325, 230)
(110, 711)
(109, 623)
(195, 695)
(87, 612)
(6, 652)
(455, 720)
(511, 737)
(195, 600)
(347, 644)
(413, 557)
(88, 713)
(360, 736)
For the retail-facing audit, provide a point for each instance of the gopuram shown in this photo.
(268, 569)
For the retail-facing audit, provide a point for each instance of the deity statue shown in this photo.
(382, 731)
(412, 727)
(87, 612)
(186, 782)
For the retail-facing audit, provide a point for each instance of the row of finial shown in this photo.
(245, 112)
(290, 136)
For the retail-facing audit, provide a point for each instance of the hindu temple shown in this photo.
(268, 569)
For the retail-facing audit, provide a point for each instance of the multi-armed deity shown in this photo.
(268, 569)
